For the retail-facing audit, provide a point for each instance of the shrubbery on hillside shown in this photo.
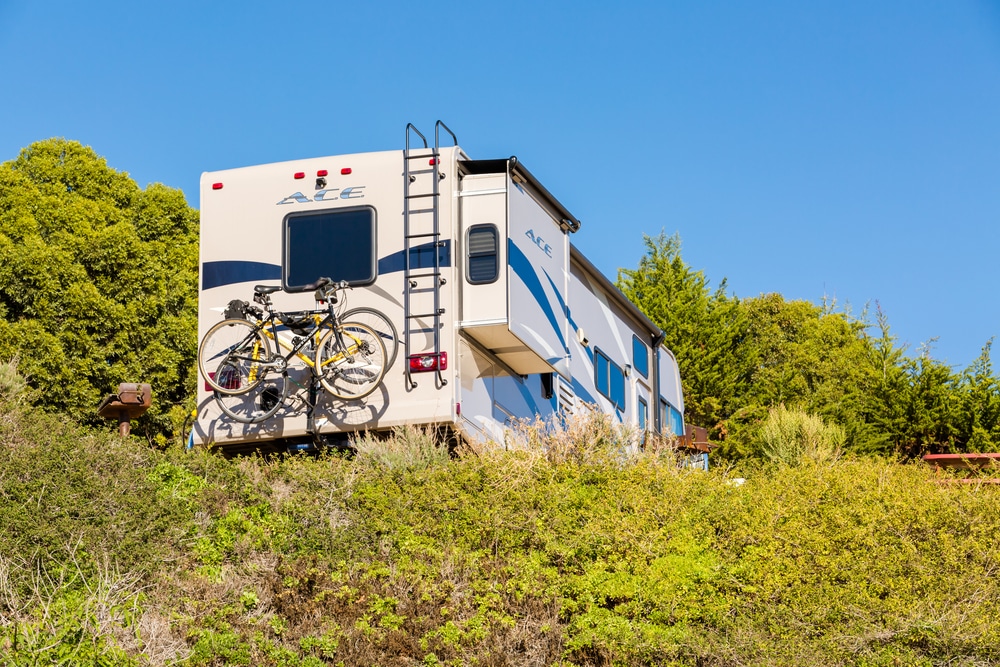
(554, 551)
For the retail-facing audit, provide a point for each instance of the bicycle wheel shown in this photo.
(381, 324)
(258, 403)
(241, 344)
(351, 365)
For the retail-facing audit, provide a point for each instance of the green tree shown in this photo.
(98, 282)
(741, 358)
(702, 327)
(978, 410)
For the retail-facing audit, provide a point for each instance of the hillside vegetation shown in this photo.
(556, 549)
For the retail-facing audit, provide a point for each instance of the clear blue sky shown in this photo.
(847, 149)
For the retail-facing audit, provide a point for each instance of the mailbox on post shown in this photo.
(131, 401)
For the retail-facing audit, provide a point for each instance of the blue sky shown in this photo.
(846, 149)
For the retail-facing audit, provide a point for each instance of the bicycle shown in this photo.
(381, 324)
(250, 380)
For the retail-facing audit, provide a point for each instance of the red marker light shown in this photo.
(216, 186)
(300, 174)
(432, 162)
(322, 172)
(345, 171)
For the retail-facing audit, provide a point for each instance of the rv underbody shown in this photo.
(498, 317)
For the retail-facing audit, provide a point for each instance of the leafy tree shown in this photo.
(741, 358)
(978, 410)
(98, 282)
(701, 327)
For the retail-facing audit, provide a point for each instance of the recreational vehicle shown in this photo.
(492, 314)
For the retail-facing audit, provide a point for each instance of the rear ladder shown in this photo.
(418, 204)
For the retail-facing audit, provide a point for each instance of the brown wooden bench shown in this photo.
(970, 462)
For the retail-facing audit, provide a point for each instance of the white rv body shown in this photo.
(529, 327)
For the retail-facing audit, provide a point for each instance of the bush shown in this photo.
(792, 437)
(574, 551)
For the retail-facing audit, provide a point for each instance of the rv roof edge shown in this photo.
(520, 174)
(614, 292)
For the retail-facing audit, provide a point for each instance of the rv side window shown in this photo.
(337, 244)
(483, 254)
(640, 357)
(610, 379)
(643, 414)
(671, 419)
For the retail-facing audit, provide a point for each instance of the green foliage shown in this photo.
(701, 327)
(794, 437)
(547, 552)
(407, 448)
(98, 283)
(740, 358)
(12, 385)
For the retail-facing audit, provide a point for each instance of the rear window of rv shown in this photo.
(337, 244)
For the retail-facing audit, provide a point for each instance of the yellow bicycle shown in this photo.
(245, 358)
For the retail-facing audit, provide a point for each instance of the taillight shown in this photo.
(228, 378)
(422, 363)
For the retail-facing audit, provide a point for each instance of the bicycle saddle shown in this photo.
(266, 289)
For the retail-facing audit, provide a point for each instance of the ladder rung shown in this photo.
(440, 312)
(421, 210)
(415, 156)
(422, 236)
(424, 275)
(429, 194)
(416, 172)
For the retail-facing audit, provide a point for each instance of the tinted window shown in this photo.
(640, 357)
(643, 414)
(338, 244)
(610, 379)
(483, 254)
(671, 420)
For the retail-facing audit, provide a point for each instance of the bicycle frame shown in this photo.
(269, 327)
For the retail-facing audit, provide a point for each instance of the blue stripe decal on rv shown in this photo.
(217, 274)
(421, 257)
(524, 270)
(228, 272)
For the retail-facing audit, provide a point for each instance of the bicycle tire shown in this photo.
(355, 372)
(239, 341)
(257, 404)
(381, 324)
